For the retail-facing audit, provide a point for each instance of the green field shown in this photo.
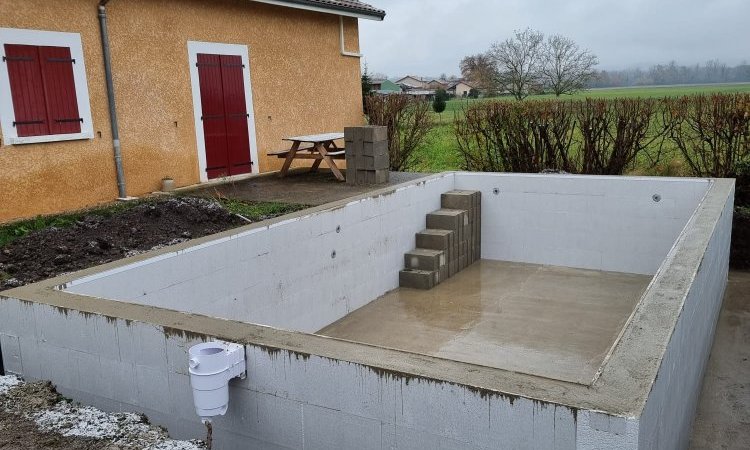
(440, 152)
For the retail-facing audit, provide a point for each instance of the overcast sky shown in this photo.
(430, 37)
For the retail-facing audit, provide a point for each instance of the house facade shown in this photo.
(460, 89)
(200, 90)
(411, 82)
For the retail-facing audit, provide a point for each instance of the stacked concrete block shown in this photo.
(367, 160)
(451, 242)
(471, 202)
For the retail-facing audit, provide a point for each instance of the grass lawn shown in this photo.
(440, 152)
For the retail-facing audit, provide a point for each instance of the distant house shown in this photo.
(385, 87)
(201, 90)
(435, 85)
(411, 82)
(460, 89)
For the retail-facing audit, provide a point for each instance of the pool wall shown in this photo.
(590, 222)
(272, 275)
(285, 274)
(305, 391)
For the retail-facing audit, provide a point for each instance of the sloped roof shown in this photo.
(353, 7)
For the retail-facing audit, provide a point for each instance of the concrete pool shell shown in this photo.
(310, 391)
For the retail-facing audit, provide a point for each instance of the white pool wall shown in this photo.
(589, 222)
(667, 418)
(284, 275)
(305, 401)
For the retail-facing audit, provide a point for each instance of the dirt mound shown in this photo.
(97, 239)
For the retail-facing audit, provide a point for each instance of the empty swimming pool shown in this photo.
(586, 324)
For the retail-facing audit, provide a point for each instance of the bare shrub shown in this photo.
(408, 121)
(616, 133)
(516, 137)
(712, 132)
(590, 137)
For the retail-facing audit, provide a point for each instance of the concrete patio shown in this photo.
(301, 186)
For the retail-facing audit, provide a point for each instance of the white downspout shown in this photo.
(343, 46)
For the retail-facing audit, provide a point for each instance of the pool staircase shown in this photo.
(450, 243)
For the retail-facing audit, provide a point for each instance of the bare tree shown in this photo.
(565, 67)
(479, 70)
(517, 61)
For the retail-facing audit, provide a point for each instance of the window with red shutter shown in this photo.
(43, 93)
(43, 90)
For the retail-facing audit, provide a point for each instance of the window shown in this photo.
(43, 92)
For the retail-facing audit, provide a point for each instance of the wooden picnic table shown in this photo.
(318, 147)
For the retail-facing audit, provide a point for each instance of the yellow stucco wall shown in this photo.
(300, 81)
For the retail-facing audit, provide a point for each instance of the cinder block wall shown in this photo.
(590, 222)
(272, 275)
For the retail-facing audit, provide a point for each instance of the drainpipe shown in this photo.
(122, 193)
(343, 46)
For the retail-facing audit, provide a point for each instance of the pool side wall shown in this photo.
(589, 222)
(288, 400)
(338, 259)
(667, 418)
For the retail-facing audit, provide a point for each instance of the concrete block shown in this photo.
(375, 133)
(375, 148)
(435, 239)
(446, 219)
(354, 134)
(418, 279)
(378, 162)
(424, 259)
(458, 199)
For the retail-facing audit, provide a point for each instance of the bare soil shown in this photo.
(96, 239)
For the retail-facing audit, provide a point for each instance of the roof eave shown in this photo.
(330, 9)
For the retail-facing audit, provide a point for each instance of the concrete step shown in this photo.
(418, 279)
(435, 239)
(460, 199)
(424, 259)
(448, 219)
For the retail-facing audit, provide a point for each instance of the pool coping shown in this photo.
(621, 388)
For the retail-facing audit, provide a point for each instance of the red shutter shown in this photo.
(27, 90)
(43, 90)
(60, 90)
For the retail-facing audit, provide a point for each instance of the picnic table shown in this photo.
(318, 147)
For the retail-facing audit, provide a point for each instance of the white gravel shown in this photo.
(124, 430)
(7, 382)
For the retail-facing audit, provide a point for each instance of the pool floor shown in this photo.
(555, 322)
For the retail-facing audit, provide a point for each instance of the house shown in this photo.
(198, 90)
(435, 85)
(411, 82)
(385, 87)
(460, 89)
